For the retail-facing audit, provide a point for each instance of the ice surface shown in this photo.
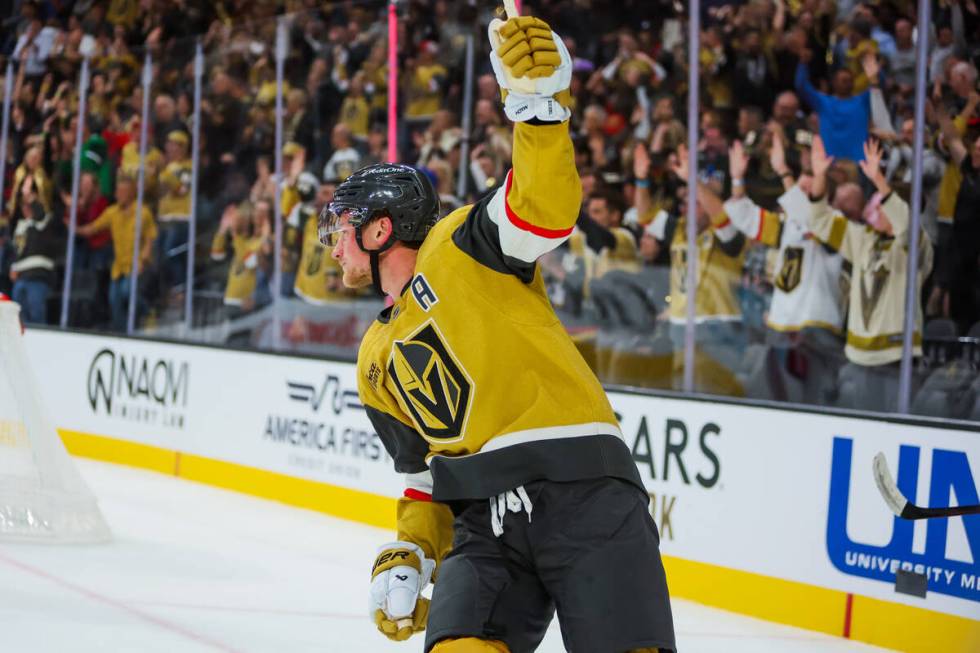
(194, 568)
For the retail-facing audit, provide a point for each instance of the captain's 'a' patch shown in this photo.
(434, 386)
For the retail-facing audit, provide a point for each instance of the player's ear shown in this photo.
(382, 229)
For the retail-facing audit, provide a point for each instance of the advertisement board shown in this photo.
(285, 414)
(773, 492)
(792, 495)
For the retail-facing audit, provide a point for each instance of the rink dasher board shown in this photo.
(765, 511)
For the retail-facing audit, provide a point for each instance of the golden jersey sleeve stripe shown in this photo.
(527, 226)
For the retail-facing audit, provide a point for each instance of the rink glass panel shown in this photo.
(619, 315)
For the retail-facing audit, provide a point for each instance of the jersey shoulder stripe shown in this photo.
(479, 238)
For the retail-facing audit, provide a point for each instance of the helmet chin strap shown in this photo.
(375, 255)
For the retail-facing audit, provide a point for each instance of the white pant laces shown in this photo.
(514, 500)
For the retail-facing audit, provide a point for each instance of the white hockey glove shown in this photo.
(533, 69)
(401, 571)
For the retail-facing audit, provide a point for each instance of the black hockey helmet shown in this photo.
(402, 193)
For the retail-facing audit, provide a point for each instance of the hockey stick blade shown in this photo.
(902, 506)
(886, 485)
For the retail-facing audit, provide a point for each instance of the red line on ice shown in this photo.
(95, 596)
(848, 608)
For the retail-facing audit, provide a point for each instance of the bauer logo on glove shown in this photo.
(401, 571)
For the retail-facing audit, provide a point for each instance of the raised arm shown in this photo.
(959, 28)
(880, 116)
(777, 159)
(539, 203)
(745, 215)
(827, 225)
(802, 82)
(728, 236)
(642, 201)
(951, 135)
(536, 209)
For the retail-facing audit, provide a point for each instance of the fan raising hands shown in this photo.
(871, 165)
(820, 162)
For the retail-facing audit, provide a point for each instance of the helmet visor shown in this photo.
(335, 219)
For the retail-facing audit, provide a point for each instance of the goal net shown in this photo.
(42, 496)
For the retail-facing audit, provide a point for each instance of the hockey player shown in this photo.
(522, 496)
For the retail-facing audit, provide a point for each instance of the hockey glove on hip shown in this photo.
(401, 571)
(533, 69)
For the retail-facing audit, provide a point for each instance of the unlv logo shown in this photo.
(435, 388)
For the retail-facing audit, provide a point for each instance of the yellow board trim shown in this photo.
(342, 502)
(122, 452)
(874, 621)
(765, 597)
(907, 628)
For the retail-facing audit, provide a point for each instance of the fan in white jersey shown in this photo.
(805, 319)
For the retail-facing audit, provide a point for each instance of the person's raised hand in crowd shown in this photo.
(660, 135)
(738, 165)
(937, 90)
(678, 163)
(871, 166)
(777, 159)
(972, 102)
(478, 151)
(641, 174)
(227, 219)
(820, 163)
(66, 200)
(641, 161)
(297, 165)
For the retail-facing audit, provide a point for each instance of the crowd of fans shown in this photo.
(804, 172)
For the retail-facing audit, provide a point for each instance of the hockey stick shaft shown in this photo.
(902, 506)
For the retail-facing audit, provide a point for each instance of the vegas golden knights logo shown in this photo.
(679, 262)
(432, 383)
(870, 299)
(792, 269)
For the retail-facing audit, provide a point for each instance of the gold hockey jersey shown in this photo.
(175, 191)
(129, 165)
(876, 312)
(317, 275)
(721, 255)
(469, 377)
(244, 264)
